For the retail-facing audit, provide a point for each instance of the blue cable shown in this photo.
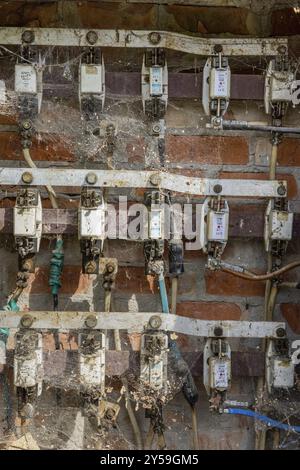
(265, 419)
(163, 294)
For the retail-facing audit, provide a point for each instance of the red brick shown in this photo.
(133, 279)
(136, 150)
(290, 179)
(289, 152)
(291, 312)
(73, 282)
(209, 310)
(220, 283)
(67, 340)
(47, 148)
(207, 149)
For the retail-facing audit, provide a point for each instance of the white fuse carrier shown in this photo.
(29, 83)
(278, 225)
(214, 224)
(219, 83)
(28, 217)
(92, 360)
(92, 216)
(220, 373)
(216, 86)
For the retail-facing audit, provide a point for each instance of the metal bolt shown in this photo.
(27, 177)
(91, 321)
(217, 188)
(154, 37)
(90, 267)
(155, 322)
(281, 49)
(91, 178)
(155, 179)
(28, 36)
(110, 413)
(26, 125)
(218, 331)
(218, 48)
(280, 332)
(26, 321)
(92, 37)
(110, 268)
(156, 129)
(281, 190)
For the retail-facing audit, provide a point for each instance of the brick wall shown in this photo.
(202, 294)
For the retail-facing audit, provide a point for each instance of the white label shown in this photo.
(25, 79)
(156, 81)
(219, 83)
(219, 227)
(155, 224)
(91, 79)
(221, 375)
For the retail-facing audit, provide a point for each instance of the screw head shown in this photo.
(218, 48)
(217, 188)
(155, 179)
(281, 190)
(154, 37)
(218, 331)
(28, 36)
(280, 332)
(26, 321)
(91, 178)
(92, 37)
(155, 322)
(27, 177)
(26, 125)
(91, 321)
(156, 128)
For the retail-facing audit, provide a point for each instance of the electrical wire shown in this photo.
(244, 274)
(265, 419)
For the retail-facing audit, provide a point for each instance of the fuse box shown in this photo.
(280, 369)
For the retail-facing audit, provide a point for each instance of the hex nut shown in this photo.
(281, 190)
(155, 179)
(26, 321)
(28, 36)
(155, 322)
(154, 37)
(27, 177)
(280, 332)
(91, 178)
(92, 37)
(218, 331)
(91, 321)
(217, 188)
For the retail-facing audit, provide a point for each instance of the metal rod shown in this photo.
(246, 126)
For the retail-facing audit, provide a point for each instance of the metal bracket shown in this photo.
(143, 179)
(139, 322)
(141, 39)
